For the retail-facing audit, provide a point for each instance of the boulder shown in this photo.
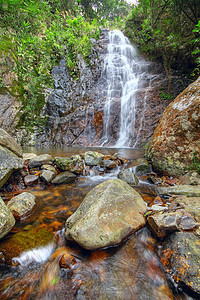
(49, 168)
(8, 142)
(109, 164)
(65, 177)
(7, 221)
(73, 164)
(9, 162)
(109, 214)
(40, 160)
(93, 158)
(128, 176)
(175, 141)
(142, 169)
(189, 204)
(164, 223)
(28, 156)
(47, 176)
(180, 257)
(185, 190)
(30, 180)
(22, 204)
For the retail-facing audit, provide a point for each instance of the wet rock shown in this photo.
(65, 177)
(191, 178)
(8, 142)
(28, 156)
(67, 261)
(47, 176)
(128, 176)
(110, 164)
(161, 224)
(180, 257)
(7, 220)
(176, 139)
(22, 205)
(30, 180)
(49, 168)
(188, 204)
(2, 258)
(164, 223)
(93, 158)
(9, 162)
(73, 164)
(109, 214)
(40, 160)
(142, 169)
(185, 190)
(25, 240)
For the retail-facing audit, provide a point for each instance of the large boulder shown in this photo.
(109, 214)
(22, 205)
(9, 162)
(180, 257)
(7, 221)
(8, 142)
(176, 139)
(73, 164)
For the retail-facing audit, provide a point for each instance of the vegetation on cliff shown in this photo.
(168, 31)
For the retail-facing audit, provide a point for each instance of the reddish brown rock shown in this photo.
(176, 138)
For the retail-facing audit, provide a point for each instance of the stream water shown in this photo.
(31, 254)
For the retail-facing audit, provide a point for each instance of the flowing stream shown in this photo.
(36, 246)
(125, 74)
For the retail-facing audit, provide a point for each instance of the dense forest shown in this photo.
(35, 35)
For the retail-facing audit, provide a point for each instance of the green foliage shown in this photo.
(166, 96)
(164, 31)
(195, 163)
(34, 36)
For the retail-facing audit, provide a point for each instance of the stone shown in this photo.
(9, 162)
(49, 168)
(176, 138)
(65, 177)
(188, 204)
(28, 156)
(47, 176)
(67, 261)
(128, 176)
(109, 214)
(142, 169)
(93, 158)
(162, 224)
(166, 222)
(180, 257)
(8, 142)
(7, 221)
(109, 164)
(30, 180)
(22, 205)
(185, 190)
(40, 160)
(73, 164)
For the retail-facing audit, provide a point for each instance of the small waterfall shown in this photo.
(126, 75)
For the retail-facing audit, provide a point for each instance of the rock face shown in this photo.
(7, 220)
(180, 256)
(109, 214)
(75, 108)
(9, 162)
(22, 204)
(177, 138)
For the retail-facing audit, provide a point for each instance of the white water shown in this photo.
(125, 74)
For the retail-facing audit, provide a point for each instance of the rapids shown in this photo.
(39, 263)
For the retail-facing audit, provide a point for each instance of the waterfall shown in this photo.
(126, 74)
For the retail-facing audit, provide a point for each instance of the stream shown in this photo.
(38, 262)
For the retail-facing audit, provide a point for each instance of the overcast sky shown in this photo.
(131, 1)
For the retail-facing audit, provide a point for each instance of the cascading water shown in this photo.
(126, 75)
